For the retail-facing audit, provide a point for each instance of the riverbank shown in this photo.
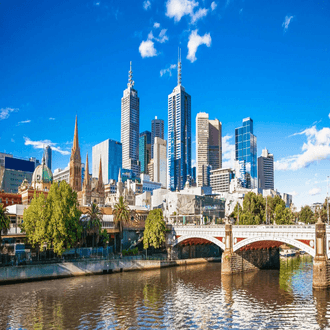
(14, 274)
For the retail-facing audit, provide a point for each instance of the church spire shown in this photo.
(75, 137)
(86, 178)
(100, 171)
(119, 176)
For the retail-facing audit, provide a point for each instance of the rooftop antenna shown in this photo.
(130, 76)
(179, 66)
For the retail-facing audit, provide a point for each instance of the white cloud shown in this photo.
(241, 11)
(147, 49)
(168, 70)
(162, 36)
(200, 13)
(286, 22)
(213, 5)
(5, 112)
(329, 115)
(228, 152)
(146, 4)
(24, 122)
(178, 8)
(42, 143)
(51, 118)
(293, 193)
(195, 40)
(96, 3)
(193, 163)
(315, 191)
(156, 25)
(317, 148)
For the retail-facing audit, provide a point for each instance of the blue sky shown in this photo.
(268, 60)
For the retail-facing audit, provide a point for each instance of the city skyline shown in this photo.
(275, 80)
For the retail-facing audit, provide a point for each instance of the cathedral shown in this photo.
(89, 193)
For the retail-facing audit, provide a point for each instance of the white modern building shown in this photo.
(160, 162)
(220, 179)
(148, 185)
(64, 174)
(130, 127)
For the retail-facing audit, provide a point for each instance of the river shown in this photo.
(191, 297)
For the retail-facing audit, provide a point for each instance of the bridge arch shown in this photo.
(290, 241)
(206, 237)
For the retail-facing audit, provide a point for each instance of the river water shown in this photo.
(191, 297)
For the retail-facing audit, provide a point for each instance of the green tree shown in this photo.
(121, 213)
(91, 223)
(53, 220)
(155, 229)
(237, 208)
(64, 230)
(306, 215)
(4, 220)
(36, 220)
(253, 210)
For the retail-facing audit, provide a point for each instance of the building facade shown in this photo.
(220, 179)
(179, 136)
(266, 170)
(130, 127)
(208, 147)
(160, 162)
(144, 151)
(157, 130)
(246, 150)
(110, 152)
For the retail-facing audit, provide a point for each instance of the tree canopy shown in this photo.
(306, 215)
(4, 219)
(155, 229)
(54, 220)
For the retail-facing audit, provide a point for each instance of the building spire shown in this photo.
(130, 76)
(100, 171)
(86, 178)
(179, 66)
(75, 137)
(119, 176)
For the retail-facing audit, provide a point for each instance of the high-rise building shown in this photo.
(208, 147)
(220, 179)
(157, 130)
(48, 157)
(179, 136)
(130, 119)
(144, 151)
(266, 170)
(110, 152)
(246, 149)
(160, 161)
(75, 162)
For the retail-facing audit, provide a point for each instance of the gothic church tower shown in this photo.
(75, 162)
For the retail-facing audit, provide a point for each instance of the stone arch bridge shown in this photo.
(313, 239)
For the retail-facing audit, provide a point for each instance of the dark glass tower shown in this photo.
(144, 151)
(246, 150)
(157, 130)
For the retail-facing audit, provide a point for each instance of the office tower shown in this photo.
(13, 171)
(75, 162)
(144, 151)
(160, 161)
(130, 118)
(48, 157)
(3, 156)
(220, 179)
(266, 170)
(208, 147)
(110, 152)
(157, 130)
(179, 136)
(246, 149)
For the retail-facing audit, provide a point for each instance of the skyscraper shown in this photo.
(159, 161)
(266, 170)
(157, 130)
(110, 152)
(179, 136)
(208, 147)
(246, 149)
(144, 151)
(130, 119)
(48, 157)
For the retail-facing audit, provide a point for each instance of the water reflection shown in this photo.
(192, 297)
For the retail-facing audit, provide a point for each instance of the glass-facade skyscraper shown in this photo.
(179, 136)
(246, 150)
(130, 127)
(144, 151)
(48, 157)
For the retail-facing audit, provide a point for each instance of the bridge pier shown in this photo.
(320, 263)
(228, 255)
